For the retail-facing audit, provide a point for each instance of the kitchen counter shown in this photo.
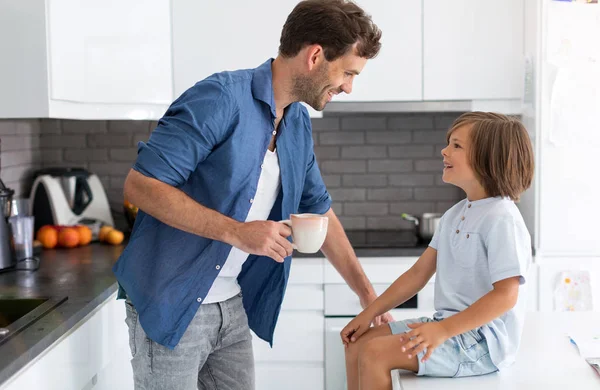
(374, 252)
(83, 275)
(546, 359)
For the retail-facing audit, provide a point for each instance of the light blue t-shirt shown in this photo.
(480, 243)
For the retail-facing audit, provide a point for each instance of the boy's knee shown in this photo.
(369, 353)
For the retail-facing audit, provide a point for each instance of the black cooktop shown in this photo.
(369, 239)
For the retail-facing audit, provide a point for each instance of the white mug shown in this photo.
(308, 231)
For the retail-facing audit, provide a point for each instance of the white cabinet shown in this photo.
(472, 49)
(396, 74)
(210, 37)
(296, 361)
(94, 354)
(569, 131)
(85, 60)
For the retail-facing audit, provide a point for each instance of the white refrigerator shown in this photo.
(562, 112)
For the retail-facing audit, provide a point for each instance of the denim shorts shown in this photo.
(464, 355)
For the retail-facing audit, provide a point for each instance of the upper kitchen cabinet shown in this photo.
(472, 49)
(210, 37)
(396, 74)
(77, 59)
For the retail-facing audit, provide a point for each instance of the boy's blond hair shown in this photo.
(500, 154)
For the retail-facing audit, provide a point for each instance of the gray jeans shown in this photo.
(215, 352)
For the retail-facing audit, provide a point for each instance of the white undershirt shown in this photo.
(269, 183)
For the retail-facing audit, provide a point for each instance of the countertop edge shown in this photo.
(47, 341)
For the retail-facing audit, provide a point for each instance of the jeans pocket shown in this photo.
(481, 366)
(469, 339)
(131, 320)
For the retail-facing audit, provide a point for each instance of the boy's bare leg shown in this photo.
(355, 351)
(378, 357)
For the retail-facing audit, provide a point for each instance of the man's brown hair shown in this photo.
(336, 25)
(500, 153)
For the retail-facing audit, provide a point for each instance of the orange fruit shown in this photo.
(48, 236)
(85, 234)
(68, 237)
(114, 237)
(103, 231)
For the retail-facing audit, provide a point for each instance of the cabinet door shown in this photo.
(212, 36)
(570, 134)
(396, 73)
(110, 51)
(473, 49)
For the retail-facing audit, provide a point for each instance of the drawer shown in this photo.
(298, 338)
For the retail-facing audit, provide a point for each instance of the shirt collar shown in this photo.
(262, 85)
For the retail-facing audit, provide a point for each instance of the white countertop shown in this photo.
(546, 359)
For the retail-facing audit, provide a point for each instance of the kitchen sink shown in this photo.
(16, 314)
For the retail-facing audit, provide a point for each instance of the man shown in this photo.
(230, 157)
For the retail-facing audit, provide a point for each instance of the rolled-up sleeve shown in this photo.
(186, 134)
(509, 250)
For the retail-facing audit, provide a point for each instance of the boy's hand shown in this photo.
(355, 328)
(423, 335)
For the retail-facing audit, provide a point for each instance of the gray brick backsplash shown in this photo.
(109, 140)
(327, 152)
(437, 137)
(410, 122)
(117, 183)
(111, 168)
(364, 152)
(413, 208)
(388, 222)
(408, 151)
(54, 141)
(139, 137)
(326, 124)
(341, 138)
(388, 137)
(83, 127)
(375, 166)
(353, 223)
(444, 121)
(364, 123)
(364, 180)
(365, 208)
(343, 166)
(85, 155)
(332, 181)
(348, 194)
(337, 207)
(389, 194)
(432, 165)
(442, 207)
(50, 126)
(51, 156)
(411, 180)
(119, 154)
(124, 127)
(390, 166)
(437, 193)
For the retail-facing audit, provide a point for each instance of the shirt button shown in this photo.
(199, 299)
(467, 236)
(262, 166)
(274, 132)
(457, 231)
(252, 200)
(462, 219)
(218, 267)
(469, 206)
